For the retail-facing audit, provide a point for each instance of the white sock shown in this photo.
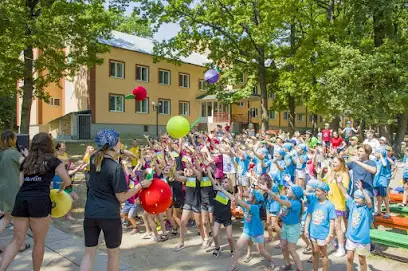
(341, 246)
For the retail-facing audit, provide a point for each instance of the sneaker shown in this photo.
(206, 243)
(174, 232)
(134, 231)
(340, 253)
(216, 252)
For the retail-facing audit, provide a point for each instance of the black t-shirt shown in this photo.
(222, 207)
(192, 191)
(177, 189)
(207, 191)
(39, 185)
(101, 201)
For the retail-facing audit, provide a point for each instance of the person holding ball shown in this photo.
(107, 190)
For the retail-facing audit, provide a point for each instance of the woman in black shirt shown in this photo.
(107, 189)
(32, 206)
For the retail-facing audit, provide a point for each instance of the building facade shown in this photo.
(96, 98)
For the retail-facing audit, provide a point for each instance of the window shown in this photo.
(253, 112)
(55, 101)
(184, 80)
(116, 103)
(164, 77)
(255, 90)
(142, 106)
(142, 73)
(240, 104)
(184, 108)
(285, 115)
(116, 69)
(164, 107)
(271, 95)
(271, 115)
(145, 128)
(300, 117)
(242, 79)
(206, 109)
(310, 118)
(201, 85)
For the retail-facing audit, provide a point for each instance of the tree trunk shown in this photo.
(264, 93)
(362, 128)
(402, 121)
(28, 89)
(383, 130)
(292, 116)
(314, 124)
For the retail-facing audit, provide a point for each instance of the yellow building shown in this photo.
(95, 98)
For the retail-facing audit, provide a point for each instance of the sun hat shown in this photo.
(297, 191)
(323, 186)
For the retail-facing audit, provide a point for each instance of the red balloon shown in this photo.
(140, 93)
(157, 198)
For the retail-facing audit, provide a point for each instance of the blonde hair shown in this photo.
(99, 156)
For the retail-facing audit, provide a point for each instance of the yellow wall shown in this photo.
(51, 112)
(106, 85)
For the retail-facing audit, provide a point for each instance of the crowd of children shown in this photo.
(317, 188)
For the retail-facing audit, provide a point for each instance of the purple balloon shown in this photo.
(211, 76)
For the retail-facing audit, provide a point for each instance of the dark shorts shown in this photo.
(341, 213)
(207, 208)
(380, 191)
(195, 209)
(32, 207)
(111, 228)
(225, 222)
(177, 204)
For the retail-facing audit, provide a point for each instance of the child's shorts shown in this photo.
(131, 209)
(360, 249)
(225, 222)
(341, 213)
(260, 239)
(320, 243)
(380, 191)
(291, 233)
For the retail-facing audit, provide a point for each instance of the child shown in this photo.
(358, 230)
(130, 208)
(301, 161)
(291, 215)
(272, 214)
(87, 160)
(253, 228)
(222, 216)
(381, 181)
(405, 179)
(320, 218)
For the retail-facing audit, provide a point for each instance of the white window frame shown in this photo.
(184, 108)
(201, 84)
(144, 105)
(114, 71)
(53, 101)
(160, 77)
(139, 73)
(116, 96)
(255, 90)
(240, 104)
(274, 115)
(253, 112)
(300, 117)
(182, 80)
(271, 95)
(285, 115)
(161, 107)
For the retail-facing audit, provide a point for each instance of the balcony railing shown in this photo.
(221, 117)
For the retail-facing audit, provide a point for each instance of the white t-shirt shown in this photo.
(374, 143)
(228, 164)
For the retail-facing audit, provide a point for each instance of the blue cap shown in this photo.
(323, 186)
(297, 191)
(303, 147)
(282, 152)
(313, 183)
(107, 137)
(359, 194)
(287, 146)
(293, 141)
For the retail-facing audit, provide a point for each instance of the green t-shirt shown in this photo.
(9, 178)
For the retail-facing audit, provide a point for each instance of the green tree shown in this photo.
(64, 31)
(238, 36)
(134, 25)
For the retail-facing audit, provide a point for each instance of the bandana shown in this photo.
(107, 137)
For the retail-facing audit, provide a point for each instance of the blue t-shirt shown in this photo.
(260, 168)
(276, 174)
(300, 165)
(358, 229)
(321, 214)
(383, 175)
(272, 206)
(243, 165)
(404, 160)
(363, 175)
(252, 221)
(289, 169)
(291, 215)
(259, 198)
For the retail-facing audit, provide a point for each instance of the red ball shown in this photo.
(140, 93)
(157, 198)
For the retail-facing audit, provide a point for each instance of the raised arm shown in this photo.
(275, 196)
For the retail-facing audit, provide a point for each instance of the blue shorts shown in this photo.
(131, 209)
(291, 233)
(380, 191)
(260, 239)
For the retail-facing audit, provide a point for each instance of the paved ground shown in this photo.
(64, 250)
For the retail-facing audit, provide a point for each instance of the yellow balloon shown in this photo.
(178, 127)
(61, 203)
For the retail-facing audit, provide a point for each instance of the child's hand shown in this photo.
(360, 185)
(217, 187)
(328, 240)
(339, 179)
(146, 183)
(264, 187)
